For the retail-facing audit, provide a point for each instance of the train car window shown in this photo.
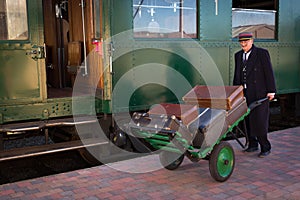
(165, 18)
(256, 16)
(13, 20)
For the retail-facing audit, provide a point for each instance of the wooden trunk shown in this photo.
(184, 112)
(218, 97)
(235, 113)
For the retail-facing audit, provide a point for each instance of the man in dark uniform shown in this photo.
(253, 70)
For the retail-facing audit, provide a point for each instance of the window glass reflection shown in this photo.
(258, 17)
(165, 18)
(13, 20)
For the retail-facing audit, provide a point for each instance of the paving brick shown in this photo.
(17, 194)
(6, 192)
(274, 177)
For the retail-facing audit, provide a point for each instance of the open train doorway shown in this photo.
(69, 36)
(57, 37)
(72, 62)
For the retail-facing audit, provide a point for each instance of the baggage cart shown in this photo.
(176, 136)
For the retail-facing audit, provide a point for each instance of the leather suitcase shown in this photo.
(185, 112)
(235, 113)
(218, 97)
(209, 127)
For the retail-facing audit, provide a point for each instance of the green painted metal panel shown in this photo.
(36, 22)
(220, 56)
(289, 21)
(122, 16)
(152, 75)
(288, 70)
(215, 20)
(18, 75)
(53, 108)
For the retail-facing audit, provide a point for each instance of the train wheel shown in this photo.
(88, 157)
(170, 160)
(222, 161)
(120, 139)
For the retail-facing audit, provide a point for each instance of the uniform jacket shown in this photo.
(260, 76)
(260, 81)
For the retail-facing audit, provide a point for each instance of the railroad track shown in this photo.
(42, 165)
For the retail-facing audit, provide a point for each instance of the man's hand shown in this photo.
(271, 96)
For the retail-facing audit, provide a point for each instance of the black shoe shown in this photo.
(251, 149)
(264, 154)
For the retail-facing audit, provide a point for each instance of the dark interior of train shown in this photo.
(61, 64)
(56, 40)
(255, 4)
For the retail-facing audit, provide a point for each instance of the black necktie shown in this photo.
(244, 57)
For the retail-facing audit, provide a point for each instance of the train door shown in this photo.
(22, 74)
(71, 39)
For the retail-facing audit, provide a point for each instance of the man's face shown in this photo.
(246, 44)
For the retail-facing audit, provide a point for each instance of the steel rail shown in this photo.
(30, 126)
(50, 148)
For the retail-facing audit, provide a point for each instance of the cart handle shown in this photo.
(257, 103)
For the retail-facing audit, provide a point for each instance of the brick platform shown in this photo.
(276, 176)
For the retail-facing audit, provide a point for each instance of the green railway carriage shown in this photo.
(66, 58)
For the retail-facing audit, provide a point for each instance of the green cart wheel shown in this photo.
(170, 160)
(222, 161)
